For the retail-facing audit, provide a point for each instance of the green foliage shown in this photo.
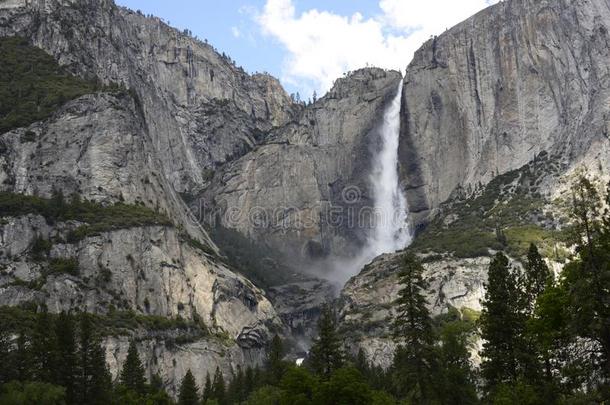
(345, 386)
(327, 352)
(40, 249)
(265, 396)
(207, 389)
(114, 323)
(198, 245)
(455, 379)
(502, 325)
(98, 218)
(132, 373)
(275, 365)
(219, 390)
(586, 278)
(27, 393)
(33, 85)
(413, 362)
(48, 352)
(548, 341)
(189, 392)
(298, 385)
(67, 360)
(64, 266)
(507, 214)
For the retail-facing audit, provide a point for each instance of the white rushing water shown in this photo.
(391, 231)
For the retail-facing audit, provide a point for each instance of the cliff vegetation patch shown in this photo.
(33, 85)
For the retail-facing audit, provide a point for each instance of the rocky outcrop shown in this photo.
(366, 304)
(151, 271)
(301, 190)
(485, 97)
(97, 147)
(299, 305)
(182, 84)
(182, 110)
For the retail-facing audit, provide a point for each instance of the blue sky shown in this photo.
(307, 44)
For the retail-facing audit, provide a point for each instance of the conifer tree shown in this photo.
(274, 365)
(5, 355)
(587, 276)
(189, 392)
(502, 325)
(249, 382)
(326, 352)
(219, 390)
(414, 360)
(100, 387)
(84, 356)
(456, 380)
(66, 373)
(44, 348)
(536, 277)
(361, 363)
(132, 374)
(21, 359)
(207, 388)
(236, 392)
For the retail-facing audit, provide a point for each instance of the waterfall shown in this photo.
(391, 231)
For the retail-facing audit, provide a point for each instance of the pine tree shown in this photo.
(22, 362)
(66, 373)
(219, 390)
(456, 382)
(44, 348)
(236, 392)
(274, 365)
(132, 374)
(536, 277)
(5, 354)
(100, 387)
(502, 325)
(84, 357)
(189, 392)
(326, 353)
(361, 363)
(587, 276)
(414, 360)
(207, 389)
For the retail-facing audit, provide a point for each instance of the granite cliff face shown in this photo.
(186, 123)
(486, 96)
(520, 80)
(293, 191)
(143, 146)
(498, 113)
(96, 147)
(366, 303)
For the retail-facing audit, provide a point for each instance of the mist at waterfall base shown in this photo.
(391, 230)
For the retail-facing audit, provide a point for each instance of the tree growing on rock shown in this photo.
(132, 374)
(414, 359)
(327, 352)
(189, 392)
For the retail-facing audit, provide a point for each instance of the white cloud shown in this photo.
(321, 45)
(236, 32)
(433, 16)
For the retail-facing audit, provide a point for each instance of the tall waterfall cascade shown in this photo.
(391, 231)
